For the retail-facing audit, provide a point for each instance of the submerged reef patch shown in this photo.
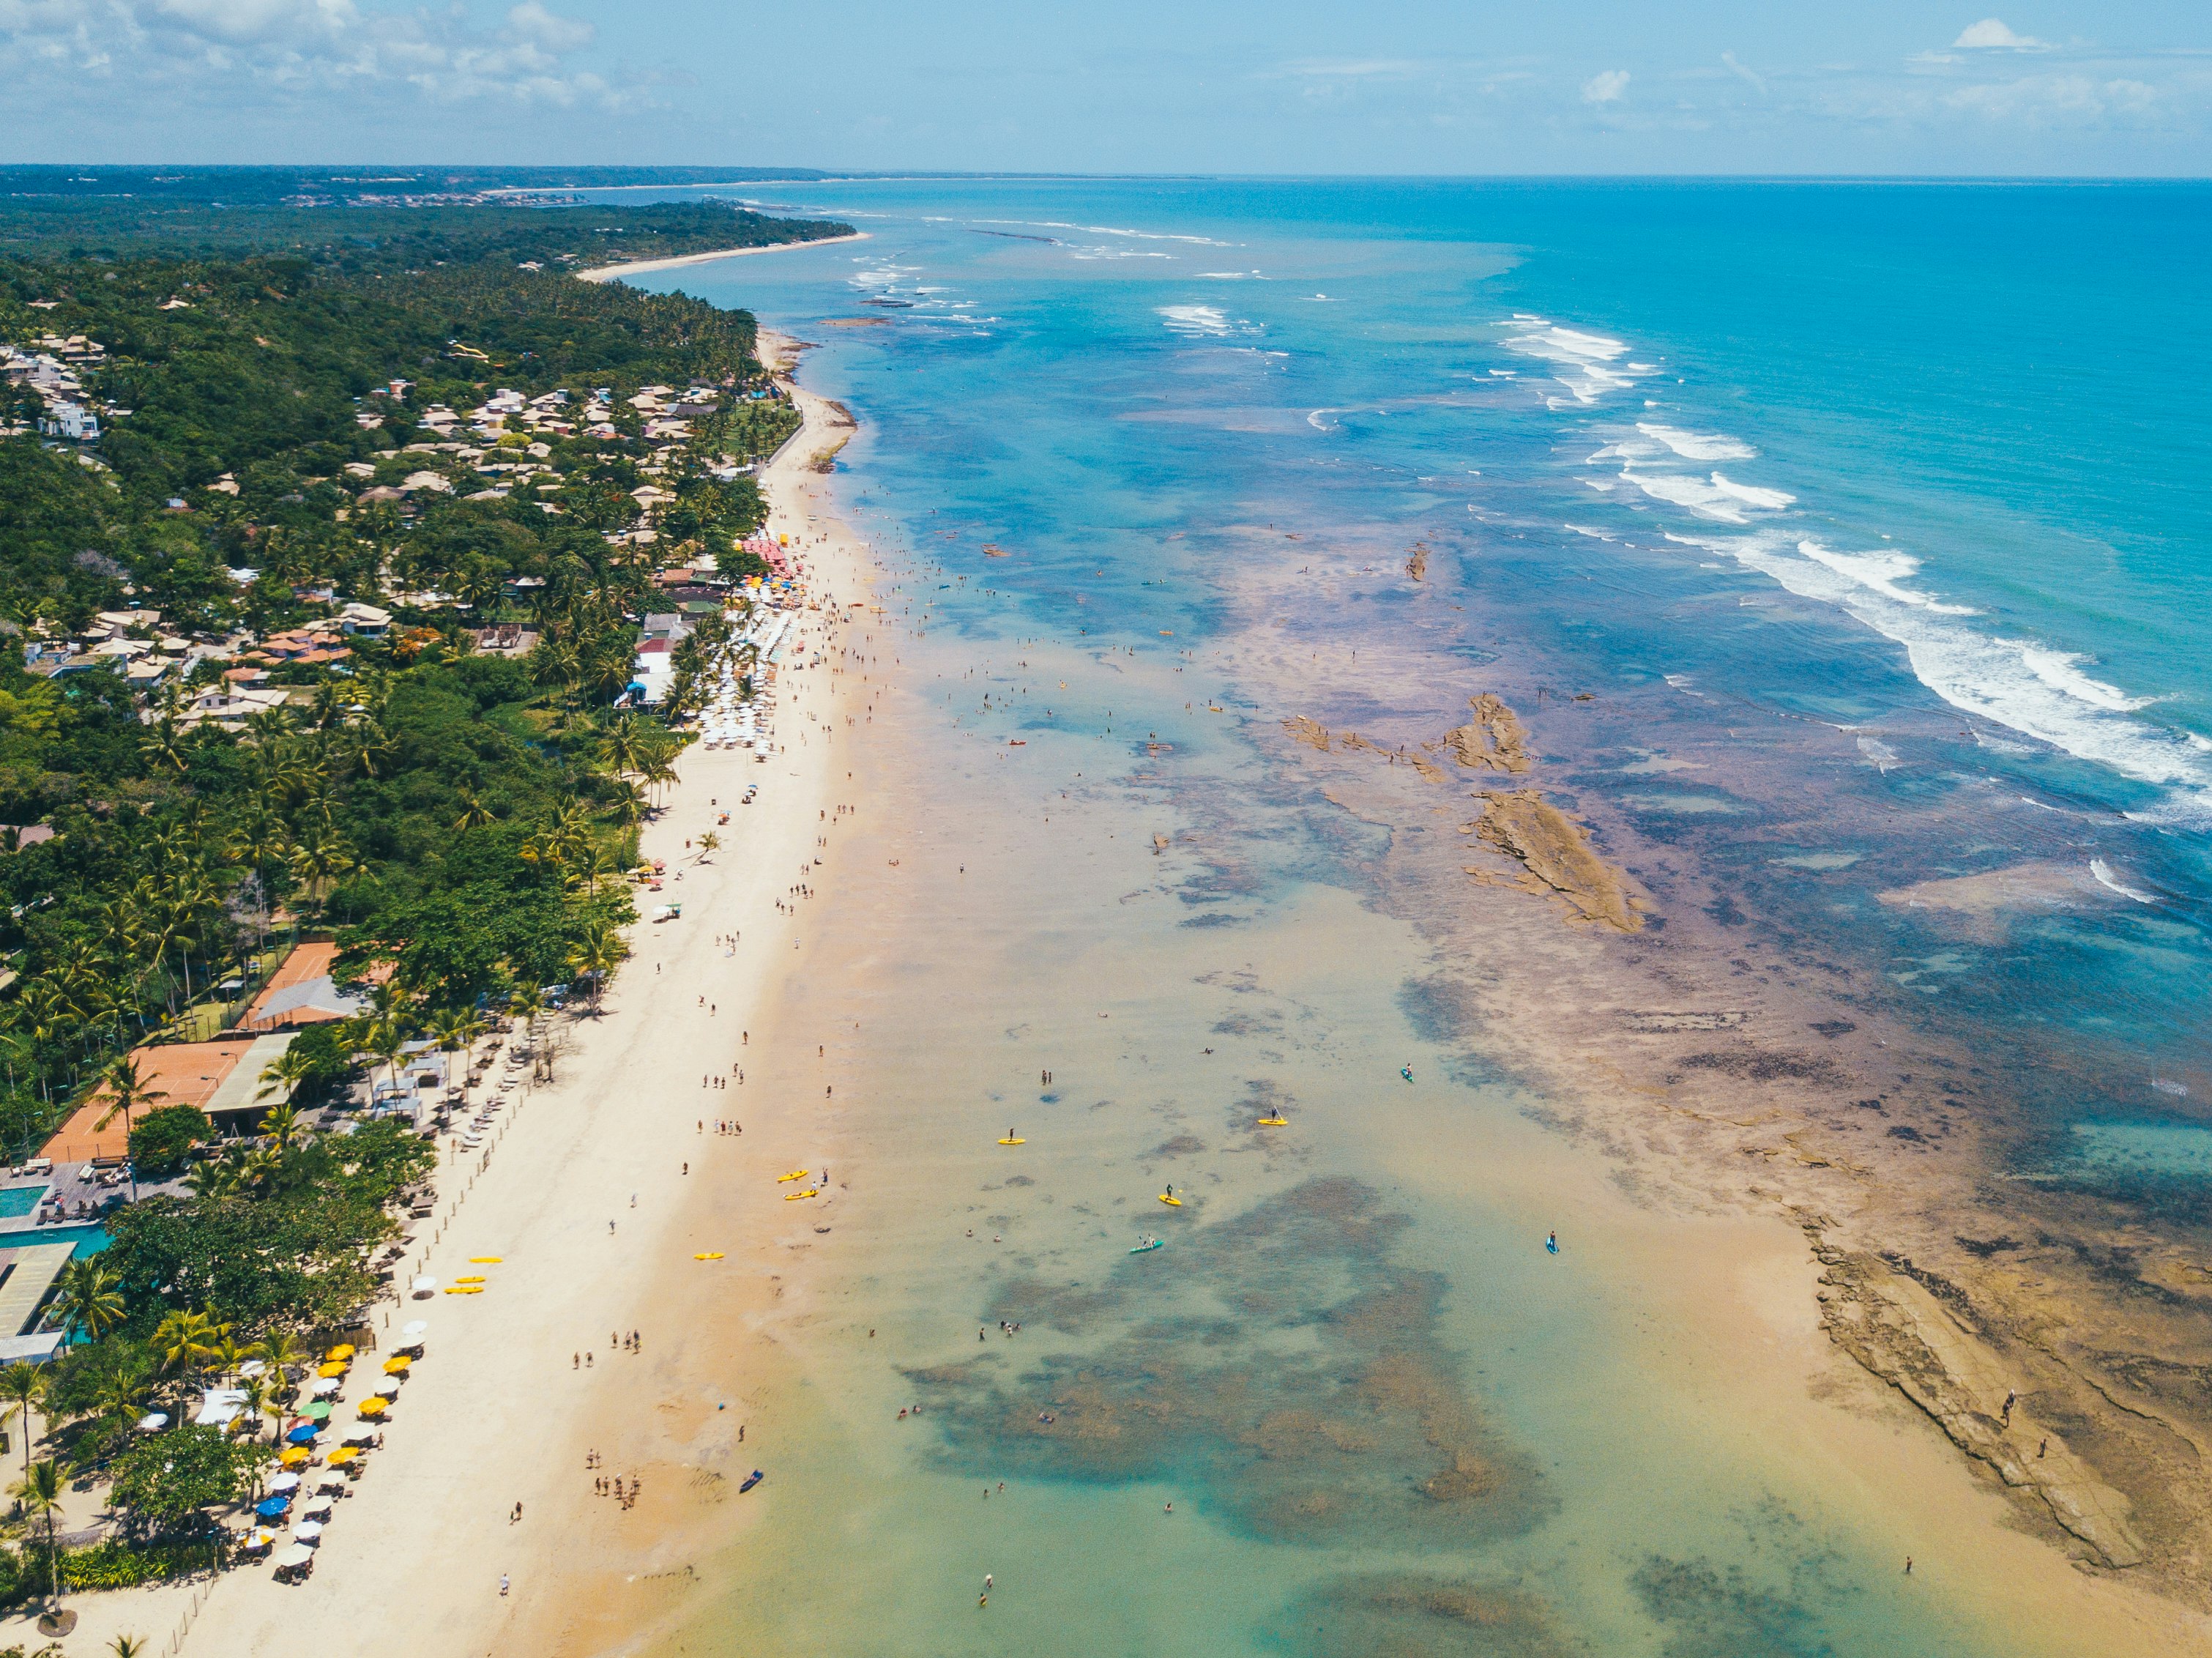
(1416, 1615)
(1288, 1367)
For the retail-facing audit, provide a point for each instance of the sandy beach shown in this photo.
(998, 913)
(500, 1412)
(607, 273)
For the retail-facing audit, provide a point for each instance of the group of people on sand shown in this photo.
(729, 1127)
(624, 1494)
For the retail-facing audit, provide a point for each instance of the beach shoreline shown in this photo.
(585, 1205)
(607, 273)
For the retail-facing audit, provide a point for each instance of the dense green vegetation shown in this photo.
(298, 386)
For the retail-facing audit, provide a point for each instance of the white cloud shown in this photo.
(1991, 35)
(1738, 69)
(222, 50)
(1606, 88)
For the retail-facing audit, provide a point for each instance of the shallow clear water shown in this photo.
(1897, 479)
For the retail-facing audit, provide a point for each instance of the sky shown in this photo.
(1452, 87)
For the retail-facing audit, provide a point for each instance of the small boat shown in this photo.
(1148, 1245)
(1171, 1199)
(810, 1192)
(1017, 742)
(1274, 1122)
(796, 1173)
(752, 1480)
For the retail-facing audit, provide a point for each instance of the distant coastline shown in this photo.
(610, 272)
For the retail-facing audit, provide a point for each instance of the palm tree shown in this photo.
(121, 1394)
(132, 1095)
(596, 953)
(88, 1299)
(22, 1386)
(227, 1356)
(128, 1646)
(474, 813)
(282, 1075)
(283, 1123)
(163, 750)
(39, 1491)
(280, 1349)
(623, 744)
(709, 842)
(218, 1177)
(185, 1341)
(321, 862)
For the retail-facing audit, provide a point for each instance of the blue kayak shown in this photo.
(752, 1480)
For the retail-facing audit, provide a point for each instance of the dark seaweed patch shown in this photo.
(1283, 1362)
(1413, 1616)
(1714, 1614)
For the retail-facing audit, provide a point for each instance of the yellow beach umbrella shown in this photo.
(398, 1366)
(373, 1406)
(294, 1456)
(343, 1350)
(333, 1369)
(343, 1455)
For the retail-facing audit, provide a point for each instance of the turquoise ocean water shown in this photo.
(1939, 448)
(1903, 479)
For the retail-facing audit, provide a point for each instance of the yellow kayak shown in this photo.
(796, 1173)
(465, 1289)
(711, 1254)
(474, 1279)
(810, 1192)
(486, 1261)
(1173, 1201)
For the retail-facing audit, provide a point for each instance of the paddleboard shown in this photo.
(1013, 1139)
(1173, 1202)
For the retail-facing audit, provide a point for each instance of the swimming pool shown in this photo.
(18, 1200)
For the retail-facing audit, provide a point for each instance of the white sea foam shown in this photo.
(2103, 872)
(1767, 501)
(1879, 754)
(1697, 446)
(1583, 362)
(1111, 230)
(1197, 321)
(1883, 571)
(2062, 670)
(2022, 684)
(1716, 498)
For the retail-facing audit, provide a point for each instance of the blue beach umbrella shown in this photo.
(303, 1434)
(273, 1508)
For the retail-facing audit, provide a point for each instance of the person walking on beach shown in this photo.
(502, 1586)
